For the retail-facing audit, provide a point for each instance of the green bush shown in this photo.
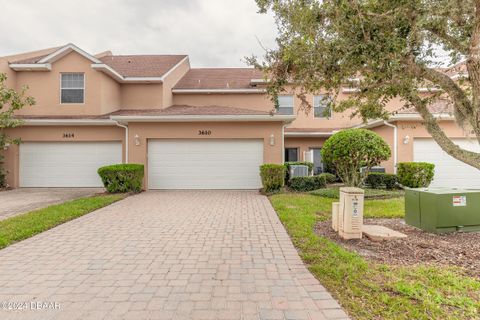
(297, 163)
(273, 177)
(415, 174)
(377, 180)
(329, 177)
(122, 177)
(310, 183)
(3, 178)
(350, 150)
(390, 181)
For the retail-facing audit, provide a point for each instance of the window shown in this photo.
(291, 154)
(72, 88)
(285, 104)
(321, 107)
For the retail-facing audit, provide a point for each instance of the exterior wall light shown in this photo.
(136, 139)
(406, 139)
(272, 140)
(5, 147)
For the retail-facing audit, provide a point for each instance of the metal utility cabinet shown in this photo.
(442, 210)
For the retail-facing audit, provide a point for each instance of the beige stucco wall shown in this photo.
(171, 79)
(55, 134)
(44, 86)
(252, 101)
(220, 130)
(142, 95)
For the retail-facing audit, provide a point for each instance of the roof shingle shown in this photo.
(219, 78)
(142, 65)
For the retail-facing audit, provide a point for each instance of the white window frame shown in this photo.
(322, 97)
(84, 82)
(293, 103)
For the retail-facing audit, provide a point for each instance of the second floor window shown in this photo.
(285, 104)
(321, 107)
(72, 88)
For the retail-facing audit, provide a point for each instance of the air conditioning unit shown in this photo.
(298, 171)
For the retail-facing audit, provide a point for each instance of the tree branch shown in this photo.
(452, 41)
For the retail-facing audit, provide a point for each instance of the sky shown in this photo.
(214, 33)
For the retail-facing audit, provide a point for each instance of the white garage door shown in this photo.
(66, 164)
(204, 164)
(449, 172)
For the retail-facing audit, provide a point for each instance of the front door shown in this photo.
(317, 161)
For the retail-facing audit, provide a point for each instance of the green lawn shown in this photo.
(29, 224)
(374, 291)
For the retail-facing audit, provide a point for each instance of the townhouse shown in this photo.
(192, 128)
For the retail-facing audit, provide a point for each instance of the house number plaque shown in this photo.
(204, 132)
(67, 135)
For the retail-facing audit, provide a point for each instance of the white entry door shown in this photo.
(449, 172)
(66, 164)
(204, 164)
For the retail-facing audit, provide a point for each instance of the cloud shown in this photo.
(214, 33)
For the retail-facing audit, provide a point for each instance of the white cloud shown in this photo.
(213, 33)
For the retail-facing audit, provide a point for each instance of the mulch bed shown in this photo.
(454, 249)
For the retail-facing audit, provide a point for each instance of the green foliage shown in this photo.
(10, 101)
(352, 149)
(376, 180)
(415, 174)
(273, 177)
(29, 224)
(369, 290)
(386, 49)
(309, 183)
(120, 178)
(297, 163)
(329, 178)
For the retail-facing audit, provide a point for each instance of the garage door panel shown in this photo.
(449, 172)
(66, 164)
(204, 164)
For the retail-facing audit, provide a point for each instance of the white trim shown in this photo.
(350, 90)
(219, 90)
(126, 139)
(173, 68)
(310, 134)
(433, 89)
(259, 81)
(69, 122)
(54, 56)
(404, 117)
(108, 69)
(200, 118)
(31, 66)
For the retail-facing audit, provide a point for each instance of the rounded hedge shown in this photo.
(122, 177)
(273, 177)
(415, 174)
(348, 151)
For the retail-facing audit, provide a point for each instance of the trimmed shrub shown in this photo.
(415, 174)
(273, 177)
(122, 177)
(390, 181)
(375, 180)
(297, 163)
(310, 183)
(350, 150)
(329, 177)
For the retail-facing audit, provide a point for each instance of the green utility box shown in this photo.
(442, 210)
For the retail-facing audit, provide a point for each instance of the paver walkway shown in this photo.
(165, 255)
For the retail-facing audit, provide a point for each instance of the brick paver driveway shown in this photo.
(165, 255)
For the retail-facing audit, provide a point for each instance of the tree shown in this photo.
(386, 49)
(349, 151)
(10, 101)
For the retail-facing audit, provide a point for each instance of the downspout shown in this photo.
(395, 144)
(283, 143)
(126, 139)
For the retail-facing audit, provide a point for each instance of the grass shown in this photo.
(29, 224)
(374, 291)
(333, 192)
